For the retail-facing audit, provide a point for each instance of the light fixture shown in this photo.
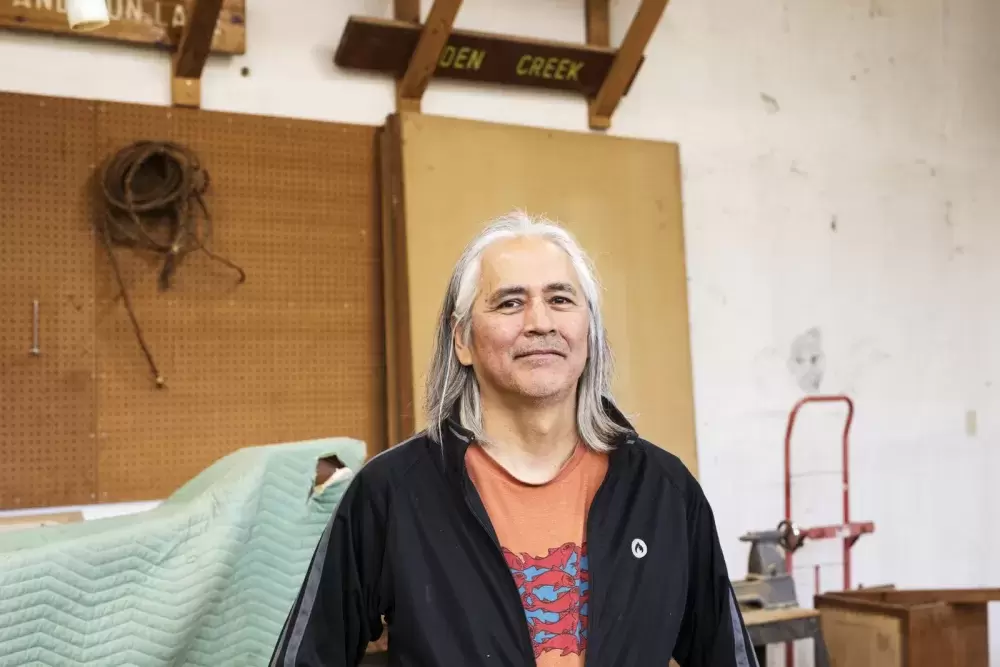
(87, 15)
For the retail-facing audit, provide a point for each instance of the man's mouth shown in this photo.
(541, 353)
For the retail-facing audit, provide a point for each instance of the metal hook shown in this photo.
(36, 350)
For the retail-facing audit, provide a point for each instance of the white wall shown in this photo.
(840, 164)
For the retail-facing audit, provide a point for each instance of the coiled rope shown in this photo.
(154, 201)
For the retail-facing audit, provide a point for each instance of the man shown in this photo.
(530, 524)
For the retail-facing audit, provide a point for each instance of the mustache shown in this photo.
(540, 349)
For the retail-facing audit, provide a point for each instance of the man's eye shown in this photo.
(509, 303)
(562, 301)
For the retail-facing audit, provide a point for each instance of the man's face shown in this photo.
(529, 322)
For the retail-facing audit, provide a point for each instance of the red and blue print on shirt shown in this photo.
(554, 589)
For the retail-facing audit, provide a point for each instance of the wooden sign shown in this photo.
(383, 45)
(155, 22)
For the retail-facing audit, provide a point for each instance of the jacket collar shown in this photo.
(456, 438)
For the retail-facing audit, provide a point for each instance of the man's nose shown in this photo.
(539, 317)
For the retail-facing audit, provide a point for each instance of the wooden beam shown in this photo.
(406, 10)
(626, 63)
(598, 22)
(192, 52)
(425, 57)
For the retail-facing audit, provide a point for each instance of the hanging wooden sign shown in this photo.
(154, 22)
(386, 46)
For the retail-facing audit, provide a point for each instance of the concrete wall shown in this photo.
(840, 165)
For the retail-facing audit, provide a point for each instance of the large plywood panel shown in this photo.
(48, 452)
(620, 197)
(295, 352)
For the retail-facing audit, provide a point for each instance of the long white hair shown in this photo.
(451, 385)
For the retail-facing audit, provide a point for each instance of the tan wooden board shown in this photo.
(620, 197)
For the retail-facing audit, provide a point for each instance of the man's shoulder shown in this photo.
(665, 466)
(390, 467)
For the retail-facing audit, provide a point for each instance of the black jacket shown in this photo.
(411, 541)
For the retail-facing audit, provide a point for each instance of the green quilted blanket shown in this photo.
(206, 578)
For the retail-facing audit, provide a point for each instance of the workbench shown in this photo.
(778, 626)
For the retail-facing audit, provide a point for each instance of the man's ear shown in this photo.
(462, 351)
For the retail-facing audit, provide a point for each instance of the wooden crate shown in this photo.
(907, 628)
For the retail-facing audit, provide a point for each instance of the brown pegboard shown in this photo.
(295, 352)
(48, 452)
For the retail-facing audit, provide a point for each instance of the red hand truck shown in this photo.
(848, 531)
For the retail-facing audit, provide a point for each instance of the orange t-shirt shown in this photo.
(541, 529)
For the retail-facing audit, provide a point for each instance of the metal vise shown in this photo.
(768, 584)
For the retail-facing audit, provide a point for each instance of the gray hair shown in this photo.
(451, 385)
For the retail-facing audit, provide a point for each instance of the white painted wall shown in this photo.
(840, 164)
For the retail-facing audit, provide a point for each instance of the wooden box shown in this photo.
(906, 628)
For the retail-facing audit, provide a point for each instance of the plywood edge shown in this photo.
(400, 410)
(928, 596)
(847, 602)
(385, 149)
(409, 119)
(690, 458)
(380, 388)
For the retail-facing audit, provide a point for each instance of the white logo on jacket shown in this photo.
(639, 548)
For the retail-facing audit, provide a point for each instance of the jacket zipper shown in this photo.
(525, 636)
(592, 608)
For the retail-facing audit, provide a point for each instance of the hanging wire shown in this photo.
(154, 200)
